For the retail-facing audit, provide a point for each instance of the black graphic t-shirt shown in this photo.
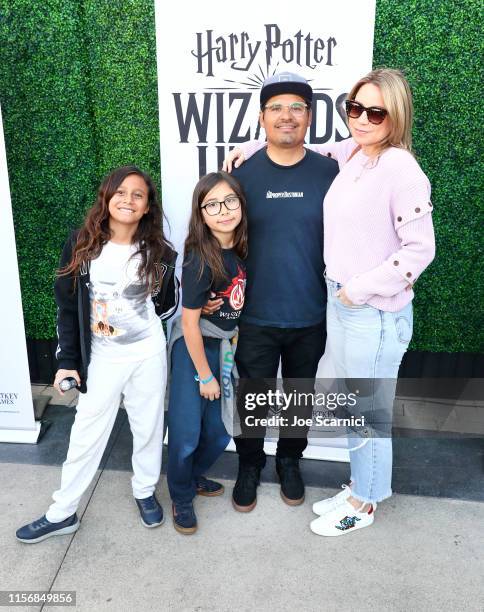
(197, 291)
(285, 282)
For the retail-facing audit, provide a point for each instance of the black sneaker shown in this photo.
(42, 528)
(292, 485)
(244, 495)
(151, 512)
(184, 518)
(209, 488)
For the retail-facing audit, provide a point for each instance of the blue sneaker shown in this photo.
(209, 488)
(150, 511)
(42, 529)
(184, 519)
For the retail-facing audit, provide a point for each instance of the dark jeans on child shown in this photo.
(196, 433)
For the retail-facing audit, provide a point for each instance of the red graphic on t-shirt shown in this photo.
(235, 292)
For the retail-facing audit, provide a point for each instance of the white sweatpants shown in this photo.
(142, 384)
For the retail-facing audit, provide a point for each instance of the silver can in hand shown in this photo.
(67, 383)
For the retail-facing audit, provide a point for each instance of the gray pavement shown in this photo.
(422, 553)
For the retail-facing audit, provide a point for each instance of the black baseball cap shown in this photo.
(285, 83)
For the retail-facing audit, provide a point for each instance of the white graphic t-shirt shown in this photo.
(124, 325)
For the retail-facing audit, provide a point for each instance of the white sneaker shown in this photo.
(326, 505)
(343, 519)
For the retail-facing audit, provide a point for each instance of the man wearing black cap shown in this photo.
(285, 302)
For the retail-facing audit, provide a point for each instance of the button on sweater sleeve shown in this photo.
(410, 209)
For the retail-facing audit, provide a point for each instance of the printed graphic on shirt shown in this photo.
(119, 309)
(197, 289)
(101, 325)
(284, 194)
(121, 312)
(235, 292)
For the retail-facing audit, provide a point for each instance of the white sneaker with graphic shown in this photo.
(342, 520)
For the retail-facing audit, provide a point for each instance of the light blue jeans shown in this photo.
(368, 343)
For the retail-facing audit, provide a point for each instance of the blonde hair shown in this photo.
(397, 98)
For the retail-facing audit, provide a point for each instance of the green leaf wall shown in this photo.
(78, 90)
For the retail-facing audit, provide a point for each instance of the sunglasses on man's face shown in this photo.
(375, 114)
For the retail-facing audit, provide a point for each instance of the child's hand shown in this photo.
(210, 390)
(61, 374)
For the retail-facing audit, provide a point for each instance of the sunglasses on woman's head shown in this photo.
(375, 114)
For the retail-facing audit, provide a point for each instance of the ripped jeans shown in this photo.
(367, 343)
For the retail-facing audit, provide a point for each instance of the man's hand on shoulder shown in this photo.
(212, 305)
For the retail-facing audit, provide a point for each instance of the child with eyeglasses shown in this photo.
(202, 346)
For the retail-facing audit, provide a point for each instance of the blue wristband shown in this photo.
(204, 382)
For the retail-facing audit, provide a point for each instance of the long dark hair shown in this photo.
(95, 232)
(200, 240)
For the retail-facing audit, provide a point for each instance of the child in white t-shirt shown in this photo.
(115, 282)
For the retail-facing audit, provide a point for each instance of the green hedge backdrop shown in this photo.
(78, 90)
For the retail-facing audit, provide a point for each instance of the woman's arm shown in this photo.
(401, 269)
(194, 341)
(238, 155)
(411, 211)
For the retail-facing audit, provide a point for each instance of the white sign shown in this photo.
(17, 423)
(211, 65)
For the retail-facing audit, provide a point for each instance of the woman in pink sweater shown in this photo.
(378, 239)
